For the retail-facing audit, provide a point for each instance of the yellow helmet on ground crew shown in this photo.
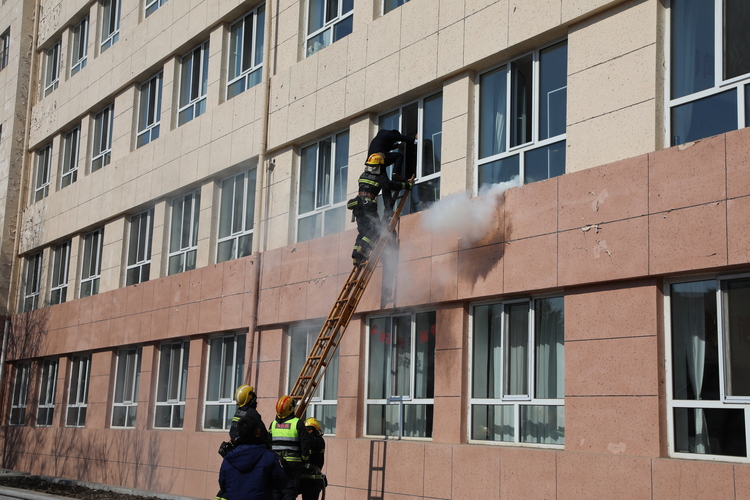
(312, 424)
(245, 395)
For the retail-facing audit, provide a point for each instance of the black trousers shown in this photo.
(368, 227)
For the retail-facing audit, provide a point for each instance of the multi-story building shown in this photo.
(174, 178)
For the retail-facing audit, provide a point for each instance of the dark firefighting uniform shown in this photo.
(312, 480)
(291, 443)
(383, 142)
(252, 412)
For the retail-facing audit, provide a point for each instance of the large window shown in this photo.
(169, 412)
(183, 240)
(246, 52)
(71, 143)
(322, 187)
(237, 212)
(80, 46)
(530, 93)
(389, 5)
(102, 150)
(149, 111)
(127, 378)
(110, 23)
(139, 248)
(709, 364)
(151, 6)
(517, 356)
(423, 119)
(328, 21)
(5, 47)
(323, 404)
(401, 375)
(78, 392)
(20, 394)
(193, 84)
(43, 168)
(60, 264)
(91, 263)
(32, 282)
(52, 68)
(47, 386)
(226, 369)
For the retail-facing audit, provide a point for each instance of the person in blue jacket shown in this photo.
(250, 471)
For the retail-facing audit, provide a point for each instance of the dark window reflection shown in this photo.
(704, 118)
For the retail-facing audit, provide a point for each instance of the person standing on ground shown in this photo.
(313, 481)
(291, 443)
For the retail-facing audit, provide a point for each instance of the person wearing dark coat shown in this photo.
(385, 142)
(312, 480)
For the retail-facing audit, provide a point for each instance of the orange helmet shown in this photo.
(284, 406)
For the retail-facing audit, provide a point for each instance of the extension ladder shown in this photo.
(338, 319)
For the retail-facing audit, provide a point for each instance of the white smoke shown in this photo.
(467, 218)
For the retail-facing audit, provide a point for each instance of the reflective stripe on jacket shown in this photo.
(285, 440)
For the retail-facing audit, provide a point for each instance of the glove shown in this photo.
(225, 448)
(409, 184)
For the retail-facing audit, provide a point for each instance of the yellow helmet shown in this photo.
(375, 159)
(312, 423)
(245, 395)
(284, 406)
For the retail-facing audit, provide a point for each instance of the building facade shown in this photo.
(174, 186)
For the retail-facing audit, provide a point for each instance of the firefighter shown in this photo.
(291, 443)
(365, 208)
(247, 404)
(313, 481)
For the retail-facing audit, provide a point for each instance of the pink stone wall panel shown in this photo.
(118, 326)
(321, 294)
(530, 264)
(528, 473)
(336, 460)
(612, 425)
(531, 210)
(195, 284)
(688, 479)
(177, 321)
(480, 271)
(352, 338)
(293, 302)
(160, 325)
(448, 370)
(211, 282)
(738, 163)
(134, 299)
(347, 422)
(361, 454)
(450, 328)
(85, 310)
(687, 175)
(476, 472)
(233, 279)
(344, 251)
(583, 476)
(738, 230)
(294, 261)
(416, 240)
(148, 295)
(197, 486)
(268, 306)
(689, 239)
(179, 289)
(404, 463)
(210, 315)
(231, 313)
(437, 460)
(609, 251)
(270, 268)
(323, 257)
(447, 426)
(443, 281)
(162, 288)
(101, 308)
(413, 282)
(742, 481)
(349, 376)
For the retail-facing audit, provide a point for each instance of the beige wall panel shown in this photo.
(113, 254)
(356, 54)
(419, 20)
(574, 9)
(332, 62)
(277, 126)
(483, 38)
(279, 88)
(451, 48)
(303, 78)
(380, 82)
(418, 64)
(301, 117)
(527, 17)
(329, 105)
(355, 92)
(288, 23)
(450, 12)
(279, 229)
(384, 37)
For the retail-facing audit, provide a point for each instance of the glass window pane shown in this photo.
(522, 84)
(486, 351)
(247, 45)
(259, 40)
(418, 421)
(380, 341)
(498, 171)
(553, 73)
(692, 47)
(544, 163)
(517, 343)
(343, 28)
(227, 203)
(492, 422)
(704, 118)
(324, 174)
(736, 43)
(549, 333)
(493, 90)
(335, 219)
(401, 359)
(310, 227)
(424, 352)
(432, 135)
(326, 415)
(341, 167)
(737, 337)
(235, 50)
(712, 431)
(308, 162)
(214, 418)
(542, 424)
(315, 15)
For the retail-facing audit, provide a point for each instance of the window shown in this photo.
(709, 71)
(246, 52)
(517, 372)
(43, 167)
(102, 138)
(709, 365)
(52, 69)
(33, 280)
(5, 44)
(152, 5)
(71, 142)
(423, 119)
(389, 5)
(170, 388)
(328, 21)
(322, 187)
(91, 264)
(139, 248)
(183, 241)
(110, 23)
(46, 409)
(60, 263)
(226, 368)
(193, 85)
(78, 393)
(323, 404)
(149, 112)
(531, 94)
(127, 378)
(237, 212)
(20, 393)
(401, 376)
(80, 46)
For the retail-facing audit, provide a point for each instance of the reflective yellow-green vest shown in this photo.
(285, 440)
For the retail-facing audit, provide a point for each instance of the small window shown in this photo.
(246, 52)
(48, 384)
(91, 263)
(127, 378)
(80, 46)
(43, 168)
(149, 111)
(52, 69)
(152, 5)
(139, 248)
(322, 187)
(401, 375)
(102, 152)
(183, 241)
(226, 369)
(389, 5)
(323, 404)
(71, 143)
(78, 392)
(193, 84)
(20, 394)
(328, 21)
(60, 263)
(169, 412)
(236, 216)
(32, 282)
(5, 46)
(110, 23)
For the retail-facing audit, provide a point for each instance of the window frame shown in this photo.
(172, 404)
(192, 227)
(149, 110)
(236, 235)
(140, 243)
(95, 258)
(225, 402)
(20, 395)
(328, 28)
(244, 75)
(52, 68)
(385, 5)
(43, 172)
(127, 383)
(32, 282)
(59, 275)
(110, 25)
(103, 120)
(70, 152)
(4, 54)
(148, 4)
(78, 394)
(47, 389)
(195, 105)
(79, 46)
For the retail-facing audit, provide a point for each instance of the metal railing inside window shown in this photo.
(246, 52)
(193, 84)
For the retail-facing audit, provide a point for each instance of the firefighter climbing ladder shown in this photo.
(335, 325)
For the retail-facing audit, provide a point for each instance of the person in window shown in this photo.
(291, 443)
(250, 471)
(312, 481)
(390, 144)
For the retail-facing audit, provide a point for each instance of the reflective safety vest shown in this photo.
(285, 440)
